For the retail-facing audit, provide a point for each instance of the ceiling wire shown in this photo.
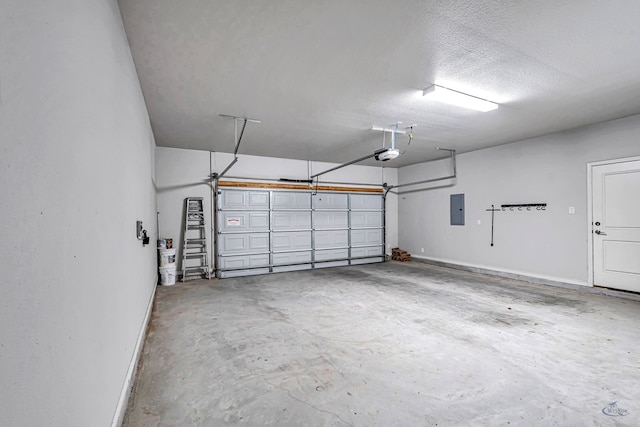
(410, 139)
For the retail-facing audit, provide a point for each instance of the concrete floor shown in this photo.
(387, 345)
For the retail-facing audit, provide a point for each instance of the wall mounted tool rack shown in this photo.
(513, 207)
(525, 206)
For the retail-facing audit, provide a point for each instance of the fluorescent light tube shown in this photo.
(459, 99)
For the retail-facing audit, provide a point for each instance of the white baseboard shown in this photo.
(121, 408)
(528, 277)
(509, 274)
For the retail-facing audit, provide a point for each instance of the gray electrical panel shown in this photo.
(457, 209)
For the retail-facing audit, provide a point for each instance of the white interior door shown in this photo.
(616, 225)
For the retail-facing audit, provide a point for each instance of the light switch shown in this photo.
(572, 210)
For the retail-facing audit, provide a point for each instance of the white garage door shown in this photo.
(264, 231)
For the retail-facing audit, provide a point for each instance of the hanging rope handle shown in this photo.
(410, 139)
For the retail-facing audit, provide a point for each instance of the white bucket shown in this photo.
(168, 275)
(167, 257)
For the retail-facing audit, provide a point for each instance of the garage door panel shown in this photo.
(366, 237)
(331, 239)
(233, 199)
(291, 220)
(366, 219)
(244, 200)
(366, 202)
(331, 264)
(242, 243)
(367, 251)
(330, 219)
(286, 268)
(233, 221)
(331, 254)
(291, 257)
(243, 273)
(290, 200)
(244, 261)
(258, 199)
(283, 241)
(331, 201)
(367, 260)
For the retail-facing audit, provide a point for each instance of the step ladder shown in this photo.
(195, 256)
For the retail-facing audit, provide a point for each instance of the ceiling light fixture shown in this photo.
(459, 99)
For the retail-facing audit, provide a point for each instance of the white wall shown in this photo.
(185, 173)
(76, 172)
(180, 174)
(550, 245)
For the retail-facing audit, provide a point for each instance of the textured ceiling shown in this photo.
(320, 74)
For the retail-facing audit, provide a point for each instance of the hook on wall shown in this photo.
(527, 206)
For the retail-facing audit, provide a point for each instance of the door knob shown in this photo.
(600, 233)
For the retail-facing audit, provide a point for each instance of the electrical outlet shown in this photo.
(421, 249)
